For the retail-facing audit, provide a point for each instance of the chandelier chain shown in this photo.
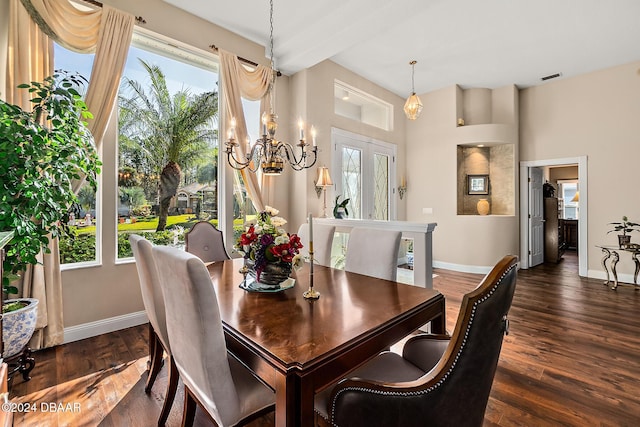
(413, 75)
(272, 83)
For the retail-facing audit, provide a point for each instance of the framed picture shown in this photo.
(477, 184)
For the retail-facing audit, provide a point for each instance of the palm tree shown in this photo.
(169, 129)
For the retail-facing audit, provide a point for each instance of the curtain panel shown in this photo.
(238, 82)
(32, 26)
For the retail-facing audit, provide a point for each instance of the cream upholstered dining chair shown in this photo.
(373, 252)
(206, 242)
(438, 380)
(322, 242)
(223, 387)
(154, 306)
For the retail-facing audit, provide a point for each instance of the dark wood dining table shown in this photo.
(299, 346)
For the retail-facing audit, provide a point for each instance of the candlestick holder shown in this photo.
(311, 293)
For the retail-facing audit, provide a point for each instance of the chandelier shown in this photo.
(413, 106)
(267, 152)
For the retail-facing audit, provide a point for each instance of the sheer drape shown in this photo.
(237, 83)
(106, 31)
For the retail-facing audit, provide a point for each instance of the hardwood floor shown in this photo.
(572, 358)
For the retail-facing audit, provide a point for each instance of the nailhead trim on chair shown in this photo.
(446, 375)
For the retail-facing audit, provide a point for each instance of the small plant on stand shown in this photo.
(625, 226)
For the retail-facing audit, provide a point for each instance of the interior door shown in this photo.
(536, 218)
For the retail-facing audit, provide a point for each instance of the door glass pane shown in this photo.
(381, 186)
(351, 180)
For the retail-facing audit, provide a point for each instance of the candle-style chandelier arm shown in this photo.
(301, 163)
(237, 164)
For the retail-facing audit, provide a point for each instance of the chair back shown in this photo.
(152, 297)
(455, 391)
(469, 364)
(322, 242)
(373, 252)
(195, 331)
(206, 242)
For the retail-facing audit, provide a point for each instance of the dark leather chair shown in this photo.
(205, 241)
(438, 380)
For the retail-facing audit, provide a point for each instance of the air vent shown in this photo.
(551, 76)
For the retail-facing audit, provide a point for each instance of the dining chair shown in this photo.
(322, 242)
(373, 252)
(206, 242)
(213, 379)
(439, 380)
(153, 301)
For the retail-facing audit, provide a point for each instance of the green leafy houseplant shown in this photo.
(42, 154)
(339, 206)
(625, 226)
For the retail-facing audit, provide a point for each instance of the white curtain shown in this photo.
(238, 82)
(106, 31)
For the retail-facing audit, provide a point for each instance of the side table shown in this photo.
(611, 252)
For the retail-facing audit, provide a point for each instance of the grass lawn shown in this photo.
(185, 221)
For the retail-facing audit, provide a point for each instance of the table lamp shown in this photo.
(324, 181)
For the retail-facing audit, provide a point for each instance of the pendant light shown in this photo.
(413, 106)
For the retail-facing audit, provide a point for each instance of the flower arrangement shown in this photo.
(267, 242)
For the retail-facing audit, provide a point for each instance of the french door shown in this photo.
(366, 175)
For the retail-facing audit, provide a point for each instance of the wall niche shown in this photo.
(495, 161)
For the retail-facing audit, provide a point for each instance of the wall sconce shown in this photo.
(403, 187)
(322, 182)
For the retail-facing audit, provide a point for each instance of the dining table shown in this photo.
(300, 346)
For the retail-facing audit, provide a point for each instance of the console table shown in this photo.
(611, 252)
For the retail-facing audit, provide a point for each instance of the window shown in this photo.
(81, 245)
(367, 175)
(360, 106)
(168, 141)
(569, 196)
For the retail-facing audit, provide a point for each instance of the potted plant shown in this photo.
(43, 154)
(625, 226)
(340, 208)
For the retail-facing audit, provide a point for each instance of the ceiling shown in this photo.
(475, 44)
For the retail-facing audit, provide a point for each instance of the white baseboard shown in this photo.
(599, 274)
(462, 268)
(99, 327)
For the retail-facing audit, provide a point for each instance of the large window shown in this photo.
(80, 246)
(168, 141)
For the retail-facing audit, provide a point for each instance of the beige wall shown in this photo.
(466, 242)
(312, 98)
(594, 115)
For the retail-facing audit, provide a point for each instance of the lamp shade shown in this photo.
(413, 107)
(576, 198)
(324, 180)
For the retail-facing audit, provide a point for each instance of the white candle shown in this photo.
(403, 182)
(264, 123)
(301, 126)
(232, 131)
(313, 135)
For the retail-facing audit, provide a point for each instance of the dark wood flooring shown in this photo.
(572, 358)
